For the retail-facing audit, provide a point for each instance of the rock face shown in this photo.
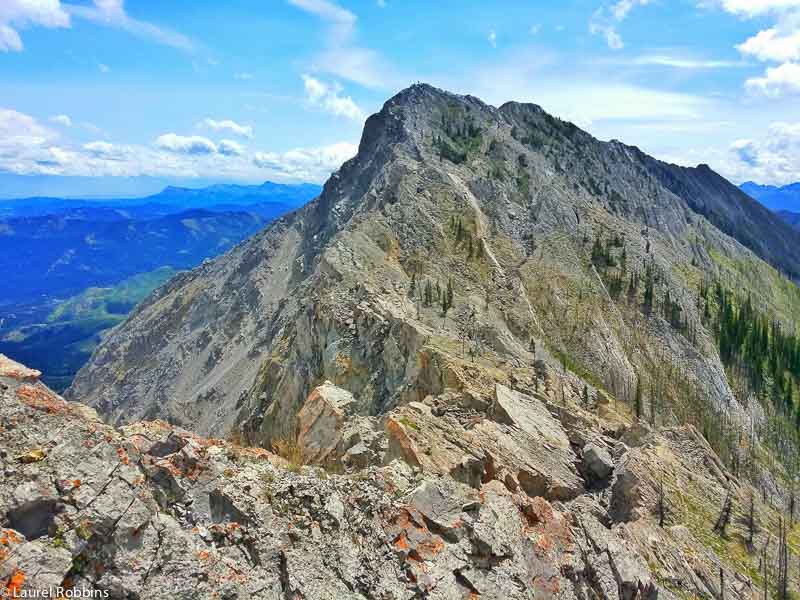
(508, 200)
(154, 509)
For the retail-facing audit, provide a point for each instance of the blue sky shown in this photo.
(104, 95)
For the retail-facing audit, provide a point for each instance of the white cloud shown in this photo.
(678, 62)
(606, 19)
(774, 158)
(756, 8)
(613, 39)
(233, 127)
(534, 76)
(623, 102)
(62, 120)
(17, 128)
(230, 148)
(103, 68)
(194, 144)
(329, 99)
(16, 14)
(27, 147)
(773, 44)
(112, 13)
(342, 57)
(778, 44)
(307, 164)
(243, 76)
(100, 148)
(622, 8)
(342, 19)
(360, 65)
(777, 80)
(381, 3)
(493, 39)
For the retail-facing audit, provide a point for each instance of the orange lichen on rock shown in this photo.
(123, 456)
(41, 398)
(14, 370)
(14, 584)
(401, 541)
(412, 536)
(9, 537)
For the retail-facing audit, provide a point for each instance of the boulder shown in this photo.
(597, 461)
(526, 447)
(527, 414)
(535, 443)
(321, 421)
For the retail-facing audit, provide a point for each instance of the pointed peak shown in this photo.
(417, 91)
(429, 96)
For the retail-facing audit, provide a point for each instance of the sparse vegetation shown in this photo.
(292, 452)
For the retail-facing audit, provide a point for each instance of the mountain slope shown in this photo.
(792, 218)
(734, 213)
(464, 246)
(775, 198)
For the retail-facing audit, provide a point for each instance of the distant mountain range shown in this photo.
(172, 199)
(113, 252)
(784, 198)
(74, 244)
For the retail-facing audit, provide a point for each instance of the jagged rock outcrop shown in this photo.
(509, 201)
(154, 509)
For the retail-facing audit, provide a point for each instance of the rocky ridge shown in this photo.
(432, 501)
(509, 201)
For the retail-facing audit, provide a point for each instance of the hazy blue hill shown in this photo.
(169, 200)
(63, 342)
(76, 267)
(785, 198)
(69, 254)
(72, 244)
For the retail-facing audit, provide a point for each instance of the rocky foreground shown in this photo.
(539, 499)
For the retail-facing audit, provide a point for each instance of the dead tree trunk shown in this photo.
(721, 525)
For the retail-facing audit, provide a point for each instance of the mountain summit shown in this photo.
(463, 245)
